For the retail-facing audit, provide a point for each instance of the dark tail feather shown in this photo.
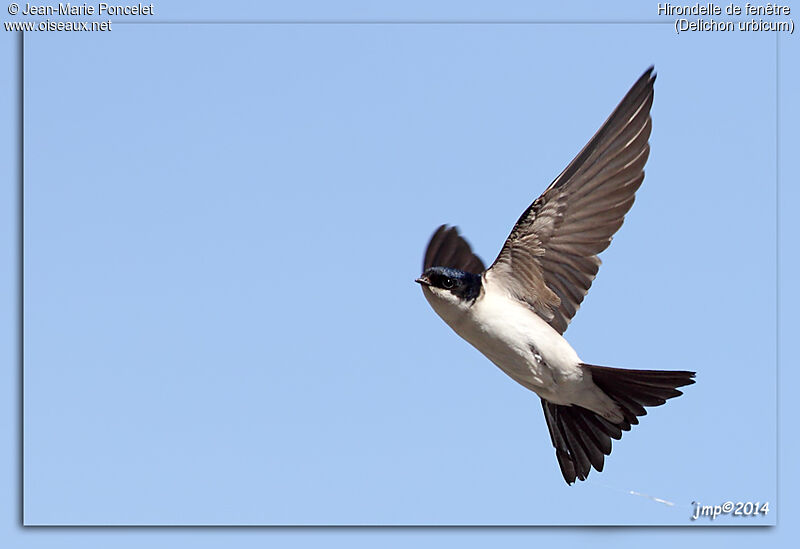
(582, 438)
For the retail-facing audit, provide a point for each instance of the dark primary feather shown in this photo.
(448, 249)
(582, 438)
(550, 258)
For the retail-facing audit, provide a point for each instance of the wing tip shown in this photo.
(447, 248)
(649, 75)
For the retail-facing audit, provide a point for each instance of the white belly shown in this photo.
(519, 342)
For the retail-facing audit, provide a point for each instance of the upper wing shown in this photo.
(550, 258)
(448, 249)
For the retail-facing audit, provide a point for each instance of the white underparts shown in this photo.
(523, 346)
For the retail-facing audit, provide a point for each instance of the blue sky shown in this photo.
(223, 224)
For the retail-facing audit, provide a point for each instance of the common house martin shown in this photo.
(516, 311)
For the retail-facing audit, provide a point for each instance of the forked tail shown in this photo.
(582, 438)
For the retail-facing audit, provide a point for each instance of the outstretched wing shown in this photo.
(550, 258)
(448, 249)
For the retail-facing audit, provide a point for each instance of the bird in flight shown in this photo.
(516, 311)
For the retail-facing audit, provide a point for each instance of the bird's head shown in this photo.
(452, 285)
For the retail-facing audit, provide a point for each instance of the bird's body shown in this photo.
(516, 311)
(523, 346)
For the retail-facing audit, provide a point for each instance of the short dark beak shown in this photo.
(423, 280)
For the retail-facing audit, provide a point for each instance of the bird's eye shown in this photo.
(448, 283)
